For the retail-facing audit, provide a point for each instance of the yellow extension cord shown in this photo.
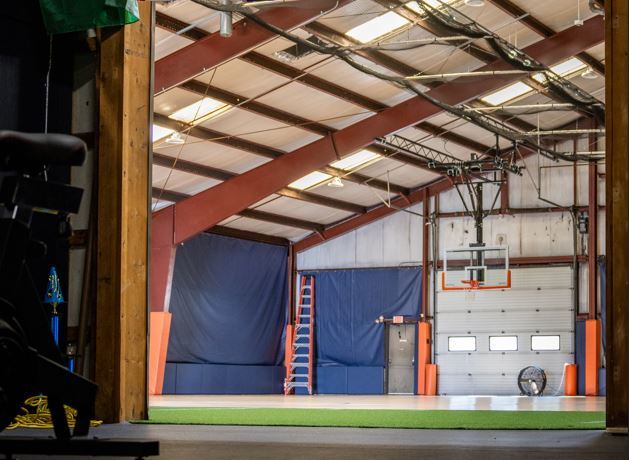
(35, 414)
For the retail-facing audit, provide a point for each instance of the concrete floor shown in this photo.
(180, 442)
(549, 403)
(209, 442)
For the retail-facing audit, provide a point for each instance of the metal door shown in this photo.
(401, 359)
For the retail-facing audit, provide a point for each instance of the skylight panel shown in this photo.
(563, 69)
(568, 67)
(200, 111)
(434, 3)
(310, 180)
(159, 132)
(356, 160)
(506, 94)
(377, 27)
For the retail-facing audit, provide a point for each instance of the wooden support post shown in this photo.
(617, 206)
(124, 90)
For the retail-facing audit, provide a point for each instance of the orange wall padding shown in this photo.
(158, 349)
(592, 356)
(431, 379)
(423, 356)
(570, 379)
(288, 350)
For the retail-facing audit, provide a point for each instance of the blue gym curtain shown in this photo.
(347, 305)
(228, 306)
(349, 345)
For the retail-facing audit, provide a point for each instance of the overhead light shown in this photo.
(200, 111)
(475, 3)
(377, 27)
(336, 183)
(356, 160)
(225, 20)
(159, 132)
(175, 139)
(310, 180)
(506, 94)
(589, 74)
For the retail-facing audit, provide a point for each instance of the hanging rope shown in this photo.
(35, 414)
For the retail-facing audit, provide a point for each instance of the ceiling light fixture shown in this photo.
(475, 3)
(589, 74)
(225, 20)
(336, 183)
(176, 139)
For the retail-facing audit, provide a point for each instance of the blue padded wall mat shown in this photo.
(223, 379)
(351, 380)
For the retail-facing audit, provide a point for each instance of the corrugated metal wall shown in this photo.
(540, 303)
(390, 242)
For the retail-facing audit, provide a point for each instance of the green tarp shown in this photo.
(62, 16)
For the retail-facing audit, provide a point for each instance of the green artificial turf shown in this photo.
(358, 418)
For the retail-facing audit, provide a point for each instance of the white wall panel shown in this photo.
(539, 303)
(525, 234)
(389, 242)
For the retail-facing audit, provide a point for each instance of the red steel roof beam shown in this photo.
(211, 206)
(213, 50)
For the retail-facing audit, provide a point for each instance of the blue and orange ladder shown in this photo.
(299, 358)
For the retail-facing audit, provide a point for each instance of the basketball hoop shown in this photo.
(473, 284)
(476, 268)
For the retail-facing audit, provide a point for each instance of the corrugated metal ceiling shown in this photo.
(255, 83)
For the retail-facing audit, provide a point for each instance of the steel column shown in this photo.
(425, 252)
(162, 258)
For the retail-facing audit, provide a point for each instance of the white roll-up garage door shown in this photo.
(484, 338)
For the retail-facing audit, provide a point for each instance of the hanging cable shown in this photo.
(480, 120)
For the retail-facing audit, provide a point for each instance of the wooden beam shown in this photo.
(125, 95)
(617, 201)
